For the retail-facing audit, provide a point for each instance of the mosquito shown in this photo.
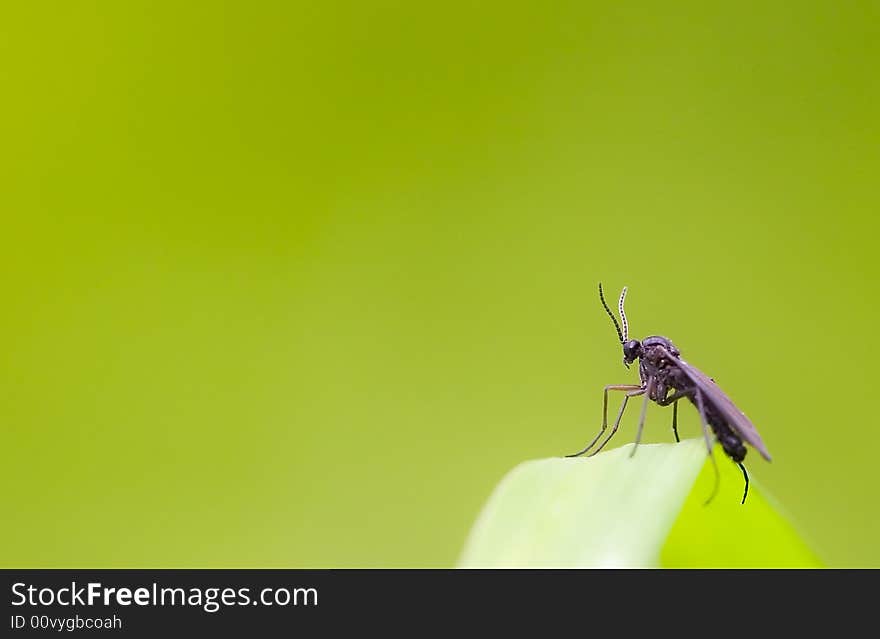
(665, 379)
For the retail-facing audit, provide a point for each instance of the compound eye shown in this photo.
(631, 349)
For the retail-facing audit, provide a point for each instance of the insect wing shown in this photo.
(713, 394)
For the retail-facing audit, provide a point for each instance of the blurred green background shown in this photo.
(296, 284)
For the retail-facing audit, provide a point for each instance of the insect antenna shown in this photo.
(610, 314)
(623, 316)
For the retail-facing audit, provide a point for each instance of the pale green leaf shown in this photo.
(613, 510)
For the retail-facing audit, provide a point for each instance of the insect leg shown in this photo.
(648, 388)
(699, 397)
(746, 475)
(626, 397)
(616, 387)
(675, 421)
(673, 399)
(676, 396)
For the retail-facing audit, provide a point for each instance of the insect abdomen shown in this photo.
(731, 442)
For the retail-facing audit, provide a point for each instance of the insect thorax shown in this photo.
(658, 340)
(654, 363)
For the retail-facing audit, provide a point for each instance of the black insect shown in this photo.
(666, 378)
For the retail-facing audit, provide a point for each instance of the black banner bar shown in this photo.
(289, 602)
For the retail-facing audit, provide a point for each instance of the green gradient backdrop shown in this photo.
(295, 285)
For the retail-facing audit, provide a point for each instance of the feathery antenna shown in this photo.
(623, 316)
(610, 314)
